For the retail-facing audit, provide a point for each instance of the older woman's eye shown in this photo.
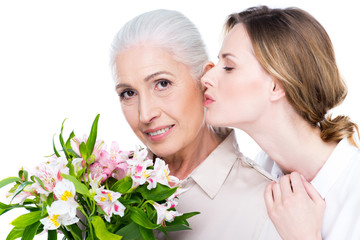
(162, 85)
(127, 94)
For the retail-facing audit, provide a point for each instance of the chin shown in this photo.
(162, 152)
(214, 122)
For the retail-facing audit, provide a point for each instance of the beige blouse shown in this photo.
(229, 194)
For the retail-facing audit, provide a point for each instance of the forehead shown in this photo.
(140, 62)
(236, 38)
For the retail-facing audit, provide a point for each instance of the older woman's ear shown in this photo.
(207, 66)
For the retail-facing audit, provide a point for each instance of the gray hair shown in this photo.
(168, 29)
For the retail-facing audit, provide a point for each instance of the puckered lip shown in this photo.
(208, 97)
(151, 130)
(208, 100)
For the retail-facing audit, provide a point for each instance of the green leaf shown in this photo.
(179, 224)
(20, 188)
(147, 234)
(181, 220)
(3, 205)
(161, 192)
(129, 201)
(187, 215)
(15, 233)
(36, 179)
(4, 208)
(52, 235)
(62, 140)
(151, 212)
(75, 231)
(30, 231)
(140, 217)
(71, 151)
(92, 137)
(79, 187)
(8, 180)
(101, 231)
(123, 185)
(68, 144)
(23, 174)
(83, 152)
(55, 151)
(130, 231)
(27, 219)
(16, 185)
(50, 199)
(176, 228)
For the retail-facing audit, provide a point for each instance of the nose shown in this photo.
(207, 79)
(149, 110)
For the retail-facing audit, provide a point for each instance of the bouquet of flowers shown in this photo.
(88, 192)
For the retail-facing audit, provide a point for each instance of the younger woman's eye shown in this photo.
(127, 94)
(228, 69)
(162, 85)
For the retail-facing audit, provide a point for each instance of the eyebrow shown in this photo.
(224, 55)
(146, 79)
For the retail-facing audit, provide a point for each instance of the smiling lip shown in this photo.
(208, 100)
(159, 133)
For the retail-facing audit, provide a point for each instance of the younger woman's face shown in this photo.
(238, 87)
(160, 99)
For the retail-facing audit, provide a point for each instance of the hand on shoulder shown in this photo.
(295, 207)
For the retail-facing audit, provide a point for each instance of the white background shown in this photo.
(54, 59)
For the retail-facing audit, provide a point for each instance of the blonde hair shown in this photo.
(295, 49)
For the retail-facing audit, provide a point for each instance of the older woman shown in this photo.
(158, 59)
(277, 79)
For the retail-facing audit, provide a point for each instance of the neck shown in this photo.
(182, 163)
(292, 143)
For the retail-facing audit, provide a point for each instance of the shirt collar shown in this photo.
(334, 167)
(211, 174)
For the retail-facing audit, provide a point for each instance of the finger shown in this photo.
(311, 191)
(268, 195)
(285, 186)
(276, 192)
(297, 183)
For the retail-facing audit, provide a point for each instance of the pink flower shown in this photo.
(49, 174)
(163, 214)
(108, 202)
(75, 143)
(115, 161)
(161, 174)
(97, 171)
(120, 171)
(21, 197)
(138, 167)
(111, 164)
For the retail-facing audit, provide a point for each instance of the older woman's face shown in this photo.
(159, 98)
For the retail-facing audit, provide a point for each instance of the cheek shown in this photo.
(187, 107)
(131, 115)
(241, 101)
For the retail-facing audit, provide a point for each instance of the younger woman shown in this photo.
(277, 79)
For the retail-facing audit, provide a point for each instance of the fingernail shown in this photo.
(303, 178)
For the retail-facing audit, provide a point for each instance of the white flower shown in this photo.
(77, 163)
(163, 214)
(108, 202)
(58, 164)
(94, 183)
(60, 213)
(65, 192)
